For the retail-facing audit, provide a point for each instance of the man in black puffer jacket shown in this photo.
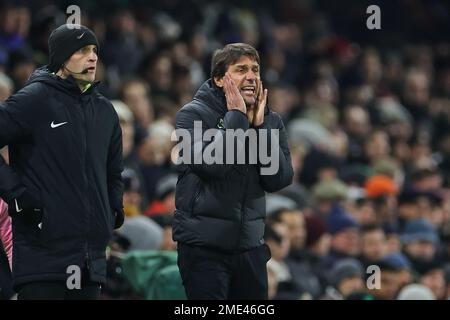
(220, 205)
(63, 184)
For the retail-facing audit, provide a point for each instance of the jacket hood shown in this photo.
(214, 97)
(68, 85)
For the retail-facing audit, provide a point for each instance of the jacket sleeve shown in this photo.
(196, 146)
(16, 124)
(274, 176)
(115, 168)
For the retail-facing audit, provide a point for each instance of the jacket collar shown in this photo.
(214, 97)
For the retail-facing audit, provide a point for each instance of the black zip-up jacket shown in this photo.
(66, 150)
(223, 206)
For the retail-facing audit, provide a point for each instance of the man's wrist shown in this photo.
(236, 119)
(261, 126)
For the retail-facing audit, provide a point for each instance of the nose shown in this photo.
(93, 56)
(250, 76)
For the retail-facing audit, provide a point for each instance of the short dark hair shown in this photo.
(223, 58)
(271, 234)
(371, 228)
(277, 215)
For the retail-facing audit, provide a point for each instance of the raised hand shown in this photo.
(232, 94)
(260, 105)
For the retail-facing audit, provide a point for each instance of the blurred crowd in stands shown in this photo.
(367, 113)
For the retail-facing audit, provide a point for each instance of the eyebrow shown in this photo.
(244, 65)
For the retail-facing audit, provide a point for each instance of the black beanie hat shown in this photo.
(65, 40)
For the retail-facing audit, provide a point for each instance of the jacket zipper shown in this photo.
(242, 208)
(87, 259)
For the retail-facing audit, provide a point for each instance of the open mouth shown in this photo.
(91, 69)
(248, 90)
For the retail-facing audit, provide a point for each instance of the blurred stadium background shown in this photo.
(367, 113)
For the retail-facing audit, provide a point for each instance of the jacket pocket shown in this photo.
(188, 192)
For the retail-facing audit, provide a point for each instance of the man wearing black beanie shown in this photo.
(63, 183)
(73, 51)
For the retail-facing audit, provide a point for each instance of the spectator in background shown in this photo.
(277, 238)
(303, 277)
(16, 21)
(126, 120)
(345, 278)
(317, 247)
(155, 155)
(416, 95)
(121, 43)
(294, 220)
(317, 237)
(132, 199)
(420, 242)
(164, 202)
(399, 262)
(21, 66)
(390, 282)
(6, 86)
(142, 233)
(356, 104)
(433, 210)
(445, 249)
(327, 194)
(383, 190)
(416, 292)
(319, 165)
(393, 241)
(285, 98)
(376, 147)
(165, 222)
(363, 211)
(373, 244)
(433, 277)
(344, 236)
(135, 93)
(271, 282)
(159, 74)
(426, 179)
(129, 136)
(408, 207)
(357, 126)
(117, 286)
(447, 281)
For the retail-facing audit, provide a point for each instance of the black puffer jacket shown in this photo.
(65, 149)
(223, 206)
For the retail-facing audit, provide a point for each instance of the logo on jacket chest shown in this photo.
(220, 124)
(54, 125)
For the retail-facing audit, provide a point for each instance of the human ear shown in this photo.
(218, 81)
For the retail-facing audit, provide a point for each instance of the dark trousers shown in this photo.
(6, 286)
(210, 274)
(57, 290)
